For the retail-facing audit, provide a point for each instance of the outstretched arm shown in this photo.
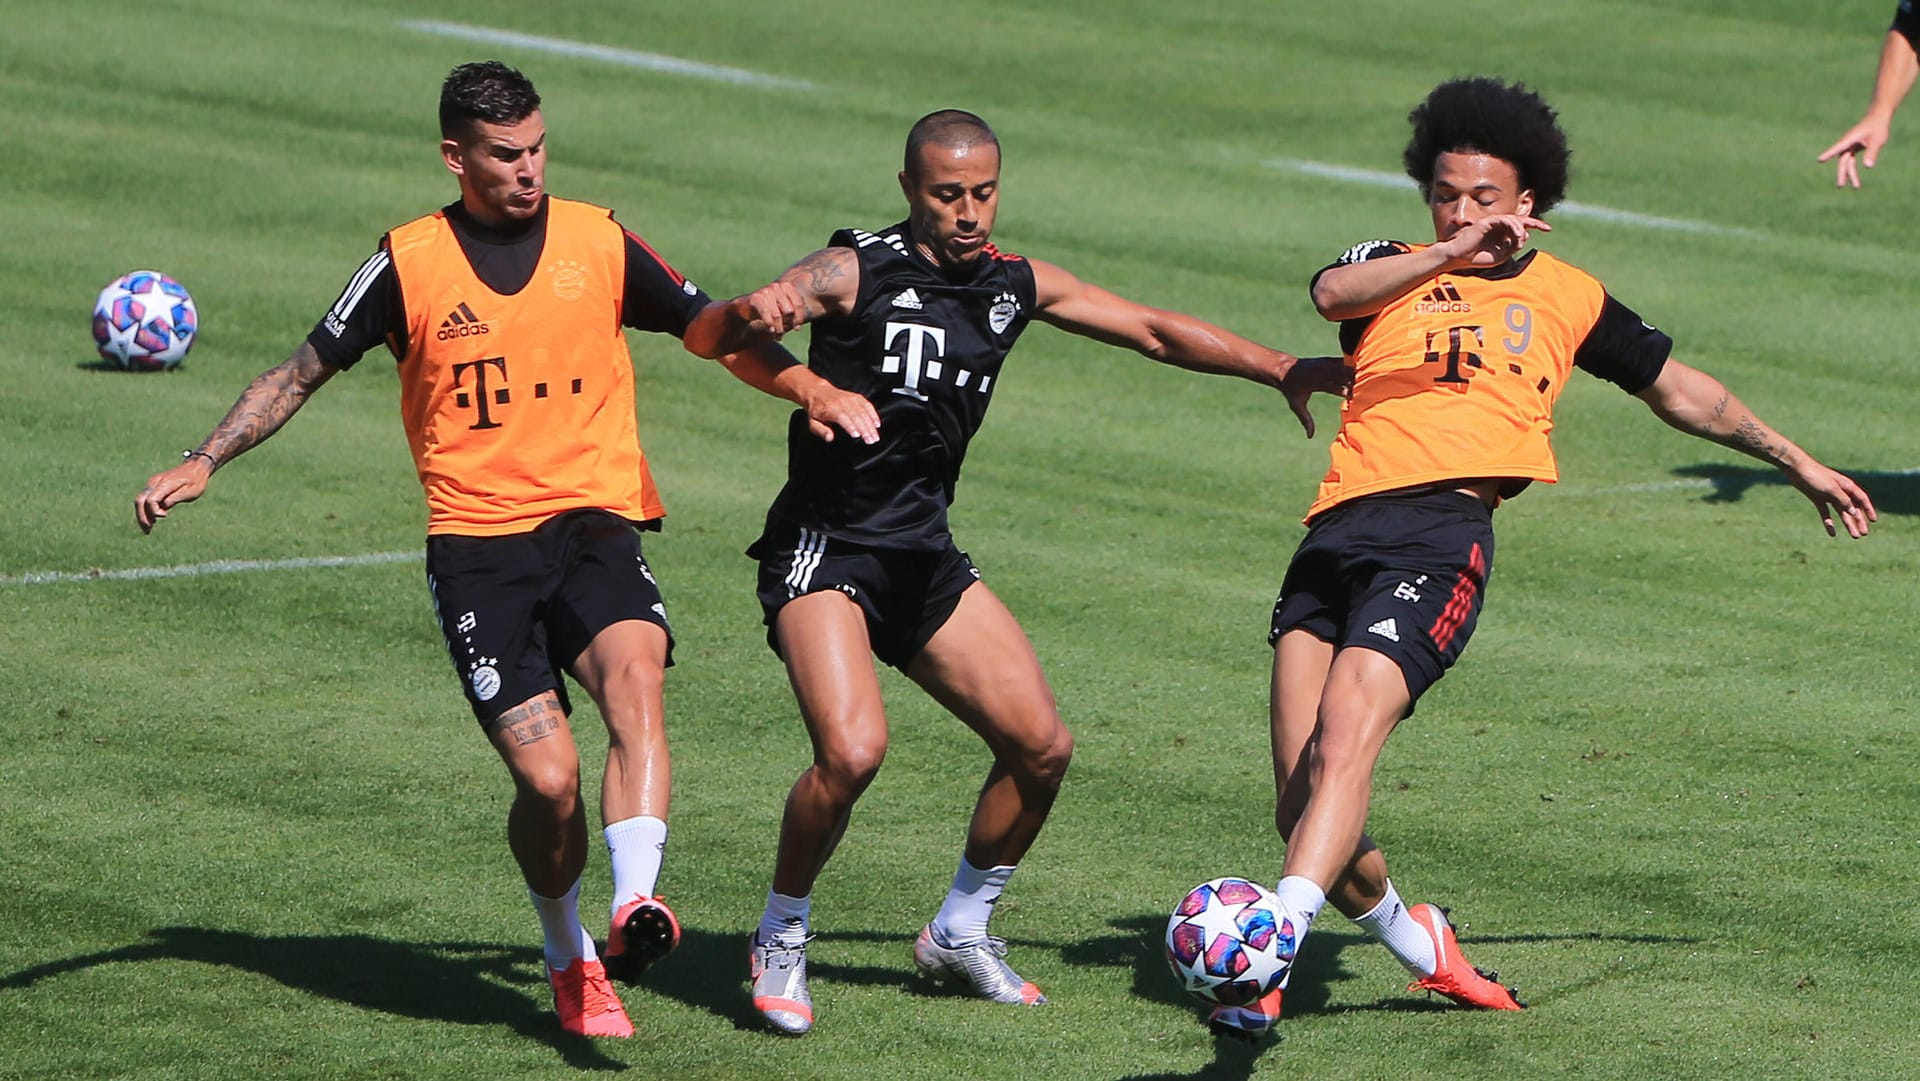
(824, 283)
(769, 368)
(262, 408)
(1891, 81)
(1697, 403)
(1181, 340)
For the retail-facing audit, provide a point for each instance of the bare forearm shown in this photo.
(274, 396)
(723, 328)
(1361, 289)
(1895, 77)
(770, 369)
(1199, 346)
(1698, 404)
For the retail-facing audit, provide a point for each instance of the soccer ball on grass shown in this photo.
(144, 321)
(1228, 942)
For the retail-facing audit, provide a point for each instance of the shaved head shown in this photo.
(953, 129)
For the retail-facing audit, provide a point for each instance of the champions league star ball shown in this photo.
(144, 321)
(1228, 942)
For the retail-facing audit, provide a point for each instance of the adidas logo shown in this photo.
(1385, 629)
(461, 323)
(909, 300)
(1443, 298)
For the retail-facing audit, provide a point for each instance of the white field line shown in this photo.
(672, 65)
(1371, 178)
(219, 566)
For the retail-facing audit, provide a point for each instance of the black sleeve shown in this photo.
(1351, 329)
(656, 297)
(368, 310)
(1907, 23)
(1623, 348)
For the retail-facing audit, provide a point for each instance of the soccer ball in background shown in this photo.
(1228, 942)
(144, 321)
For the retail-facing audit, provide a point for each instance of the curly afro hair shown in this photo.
(1487, 116)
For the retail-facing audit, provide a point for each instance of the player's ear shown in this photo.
(453, 156)
(1525, 207)
(906, 184)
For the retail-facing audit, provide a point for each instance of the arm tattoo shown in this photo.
(531, 722)
(822, 270)
(267, 403)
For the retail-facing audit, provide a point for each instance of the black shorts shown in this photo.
(518, 610)
(1400, 573)
(906, 594)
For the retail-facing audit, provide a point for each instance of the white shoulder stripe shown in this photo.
(356, 289)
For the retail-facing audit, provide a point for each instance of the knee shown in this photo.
(1342, 747)
(554, 785)
(1045, 761)
(848, 766)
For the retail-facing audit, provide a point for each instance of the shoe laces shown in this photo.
(782, 954)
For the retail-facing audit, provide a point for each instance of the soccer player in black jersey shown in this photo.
(1899, 66)
(504, 312)
(856, 556)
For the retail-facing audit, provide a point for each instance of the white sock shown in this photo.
(567, 941)
(969, 904)
(785, 919)
(1389, 922)
(1301, 900)
(635, 847)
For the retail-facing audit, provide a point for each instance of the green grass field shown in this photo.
(247, 828)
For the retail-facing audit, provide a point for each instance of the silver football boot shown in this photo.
(779, 975)
(977, 967)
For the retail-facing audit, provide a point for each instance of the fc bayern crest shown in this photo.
(1000, 316)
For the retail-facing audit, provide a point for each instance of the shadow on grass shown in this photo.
(462, 983)
(1892, 493)
(1138, 946)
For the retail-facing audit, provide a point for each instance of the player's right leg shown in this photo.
(823, 640)
(547, 832)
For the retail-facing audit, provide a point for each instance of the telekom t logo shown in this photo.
(479, 397)
(917, 364)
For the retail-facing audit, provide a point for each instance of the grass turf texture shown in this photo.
(246, 826)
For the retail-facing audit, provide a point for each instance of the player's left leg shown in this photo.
(624, 670)
(608, 626)
(982, 668)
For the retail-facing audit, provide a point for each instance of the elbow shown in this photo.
(1332, 305)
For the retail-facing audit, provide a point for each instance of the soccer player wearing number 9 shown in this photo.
(504, 311)
(1460, 349)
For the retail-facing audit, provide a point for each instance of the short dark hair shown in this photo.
(1487, 116)
(485, 90)
(954, 128)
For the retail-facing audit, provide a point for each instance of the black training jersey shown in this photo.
(369, 312)
(1907, 23)
(925, 346)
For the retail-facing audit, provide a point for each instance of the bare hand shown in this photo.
(1830, 492)
(777, 308)
(184, 483)
(1491, 241)
(1311, 375)
(1863, 142)
(851, 413)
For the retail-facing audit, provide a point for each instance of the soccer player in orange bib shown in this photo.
(1459, 348)
(505, 312)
